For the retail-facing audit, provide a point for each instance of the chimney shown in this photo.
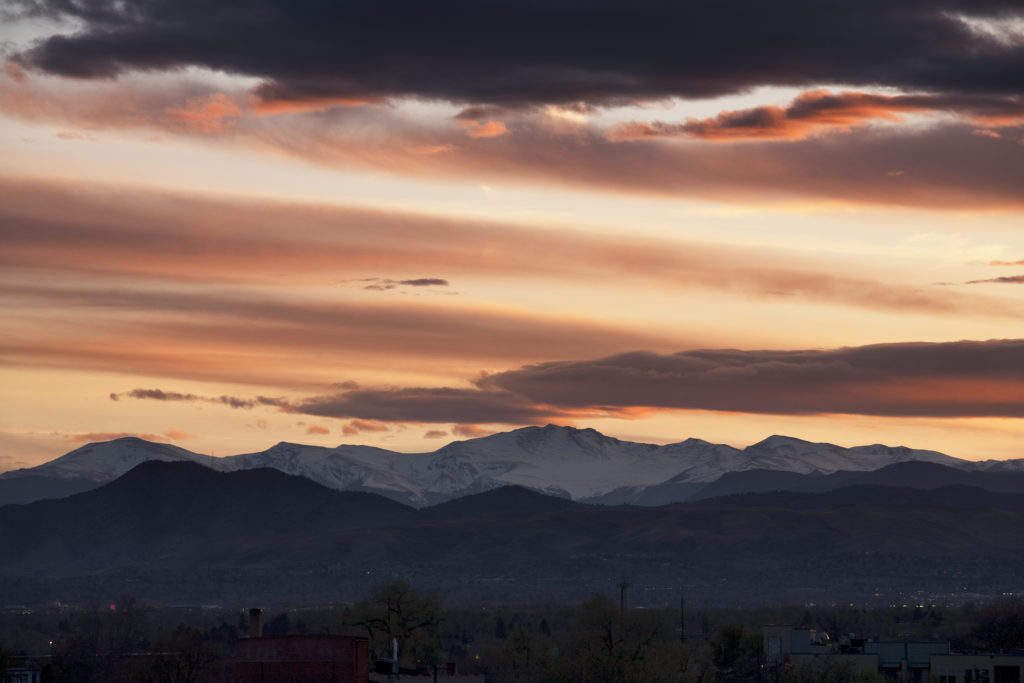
(256, 622)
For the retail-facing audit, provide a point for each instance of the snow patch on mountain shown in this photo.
(1014, 465)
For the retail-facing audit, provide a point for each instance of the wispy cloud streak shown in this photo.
(97, 231)
(254, 338)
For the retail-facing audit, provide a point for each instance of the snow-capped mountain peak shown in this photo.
(566, 461)
(107, 460)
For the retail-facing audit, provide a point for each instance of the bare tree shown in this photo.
(395, 610)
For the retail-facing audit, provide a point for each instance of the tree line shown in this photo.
(599, 640)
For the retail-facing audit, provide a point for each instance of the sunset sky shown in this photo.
(401, 223)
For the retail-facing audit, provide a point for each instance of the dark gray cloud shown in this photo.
(230, 401)
(383, 284)
(428, 404)
(160, 395)
(478, 113)
(425, 282)
(514, 53)
(913, 379)
(1005, 280)
(965, 378)
(369, 409)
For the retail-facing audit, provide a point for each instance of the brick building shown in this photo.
(303, 659)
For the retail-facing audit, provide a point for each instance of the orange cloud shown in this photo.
(262, 107)
(485, 129)
(1007, 120)
(178, 435)
(74, 135)
(945, 166)
(471, 431)
(472, 120)
(176, 107)
(368, 426)
(943, 170)
(433, 149)
(317, 429)
(986, 133)
(210, 114)
(818, 111)
(943, 395)
(269, 99)
(14, 71)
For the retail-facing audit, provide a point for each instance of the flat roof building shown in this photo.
(788, 648)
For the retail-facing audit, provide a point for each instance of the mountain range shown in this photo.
(578, 464)
(180, 532)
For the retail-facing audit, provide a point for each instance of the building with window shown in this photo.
(978, 668)
(788, 648)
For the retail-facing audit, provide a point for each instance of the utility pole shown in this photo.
(682, 617)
